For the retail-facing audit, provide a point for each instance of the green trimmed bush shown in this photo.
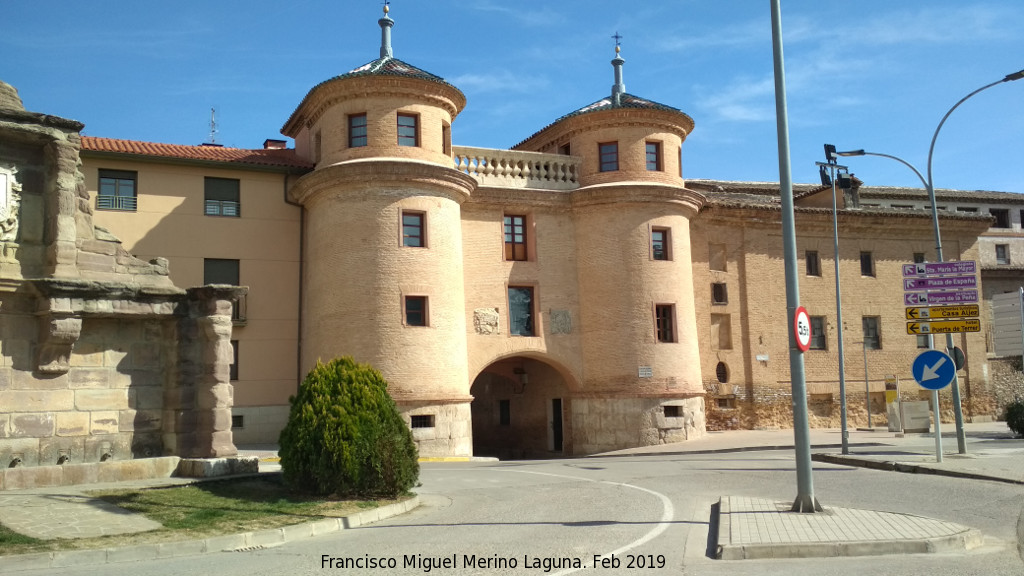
(1014, 416)
(345, 436)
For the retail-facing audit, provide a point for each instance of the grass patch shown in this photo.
(202, 510)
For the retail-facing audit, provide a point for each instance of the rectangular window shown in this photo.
(918, 257)
(356, 130)
(664, 315)
(318, 142)
(719, 293)
(118, 190)
(653, 152)
(416, 311)
(422, 421)
(564, 149)
(226, 271)
(717, 257)
(609, 152)
(922, 341)
(867, 264)
(966, 209)
(903, 206)
(504, 412)
(515, 237)
(223, 197)
(818, 337)
(520, 310)
(234, 362)
(661, 241)
(673, 411)
(813, 263)
(408, 131)
(237, 421)
(721, 332)
(413, 229)
(446, 138)
(1002, 217)
(1002, 253)
(872, 333)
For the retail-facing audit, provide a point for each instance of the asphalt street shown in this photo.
(637, 514)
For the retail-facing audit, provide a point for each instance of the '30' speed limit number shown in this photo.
(802, 328)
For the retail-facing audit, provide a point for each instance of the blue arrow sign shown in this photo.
(933, 369)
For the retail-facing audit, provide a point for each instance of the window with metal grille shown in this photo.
(661, 243)
(408, 130)
(719, 293)
(609, 153)
(813, 263)
(515, 237)
(416, 311)
(664, 316)
(504, 413)
(356, 130)
(653, 155)
(867, 264)
(1002, 254)
(817, 333)
(118, 190)
(422, 421)
(222, 197)
(722, 372)
(413, 229)
(872, 332)
(520, 310)
(1002, 217)
(918, 257)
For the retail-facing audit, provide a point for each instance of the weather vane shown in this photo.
(387, 3)
(617, 37)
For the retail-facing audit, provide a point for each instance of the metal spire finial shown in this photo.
(385, 32)
(619, 88)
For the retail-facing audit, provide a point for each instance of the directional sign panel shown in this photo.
(944, 326)
(940, 283)
(933, 369)
(946, 297)
(935, 268)
(940, 312)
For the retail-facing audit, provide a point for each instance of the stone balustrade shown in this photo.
(515, 169)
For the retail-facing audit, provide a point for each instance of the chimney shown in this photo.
(271, 144)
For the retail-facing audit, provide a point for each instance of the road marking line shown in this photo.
(668, 511)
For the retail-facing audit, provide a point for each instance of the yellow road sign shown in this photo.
(938, 312)
(944, 326)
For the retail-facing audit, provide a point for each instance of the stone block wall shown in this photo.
(451, 434)
(604, 424)
(1006, 381)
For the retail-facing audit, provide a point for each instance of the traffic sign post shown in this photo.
(934, 370)
(939, 312)
(944, 326)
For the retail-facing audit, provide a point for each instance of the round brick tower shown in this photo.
(382, 244)
(637, 315)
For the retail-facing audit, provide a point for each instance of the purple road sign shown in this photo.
(923, 269)
(940, 282)
(933, 298)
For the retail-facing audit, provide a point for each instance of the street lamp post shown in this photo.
(929, 185)
(831, 178)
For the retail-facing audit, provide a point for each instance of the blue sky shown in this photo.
(873, 74)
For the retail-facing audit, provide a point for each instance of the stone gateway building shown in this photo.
(571, 295)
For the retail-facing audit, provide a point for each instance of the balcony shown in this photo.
(515, 169)
(122, 203)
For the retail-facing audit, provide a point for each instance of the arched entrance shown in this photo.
(520, 410)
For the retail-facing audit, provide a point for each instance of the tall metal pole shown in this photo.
(843, 429)
(867, 387)
(805, 500)
(961, 441)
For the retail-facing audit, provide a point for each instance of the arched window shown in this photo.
(722, 371)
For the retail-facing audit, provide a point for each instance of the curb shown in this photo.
(893, 466)
(228, 543)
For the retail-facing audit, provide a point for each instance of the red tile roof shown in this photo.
(279, 158)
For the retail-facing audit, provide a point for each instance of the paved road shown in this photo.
(655, 509)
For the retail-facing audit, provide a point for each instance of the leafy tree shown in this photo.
(344, 435)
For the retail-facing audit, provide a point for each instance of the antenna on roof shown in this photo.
(213, 126)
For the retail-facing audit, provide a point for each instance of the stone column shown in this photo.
(199, 403)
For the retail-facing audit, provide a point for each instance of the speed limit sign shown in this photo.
(802, 328)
